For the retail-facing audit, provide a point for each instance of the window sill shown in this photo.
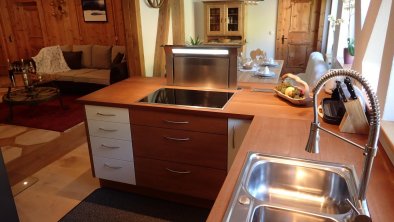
(340, 62)
(386, 138)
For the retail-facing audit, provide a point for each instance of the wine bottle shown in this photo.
(11, 73)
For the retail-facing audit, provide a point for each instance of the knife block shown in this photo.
(354, 120)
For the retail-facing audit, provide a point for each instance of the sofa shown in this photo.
(92, 67)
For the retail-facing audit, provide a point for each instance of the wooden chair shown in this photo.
(258, 52)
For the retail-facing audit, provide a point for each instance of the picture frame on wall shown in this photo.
(94, 10)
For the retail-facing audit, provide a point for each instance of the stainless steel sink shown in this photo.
(271, 214)
(288, 188)
(318, 189)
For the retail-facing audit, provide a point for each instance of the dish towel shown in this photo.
(50, 60)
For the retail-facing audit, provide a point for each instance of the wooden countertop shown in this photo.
(277, 128)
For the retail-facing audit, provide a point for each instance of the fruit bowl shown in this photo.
(299, 86)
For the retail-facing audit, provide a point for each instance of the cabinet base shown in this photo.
(178, 198)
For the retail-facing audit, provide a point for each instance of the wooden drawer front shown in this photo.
(189, 147)
(179, 121)
(179, 178)
(105, 113)
(109, 130)
(115, 170)
(111, 148)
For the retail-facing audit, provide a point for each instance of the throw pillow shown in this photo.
(116, 49)
(73, 59)
(118, 58)
(101, 57)
(86, 54)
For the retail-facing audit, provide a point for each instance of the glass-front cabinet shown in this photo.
(224, 22)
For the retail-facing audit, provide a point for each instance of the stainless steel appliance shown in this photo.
(186, 97)
(202, 66)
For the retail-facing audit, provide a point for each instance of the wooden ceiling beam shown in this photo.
(178, 22)
(163, 27)
(134, 44)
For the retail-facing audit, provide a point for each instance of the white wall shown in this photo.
(194, 19)
(149, 20)
(260, 24)
(260, 27)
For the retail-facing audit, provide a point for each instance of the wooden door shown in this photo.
(297, 33)
(233, 19)
(28, 29)
(214, 19)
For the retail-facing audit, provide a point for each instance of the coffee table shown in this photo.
(30, 96)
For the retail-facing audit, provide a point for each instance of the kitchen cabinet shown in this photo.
(224, 21)
(110, 144)
(179, 152)
(237, 129)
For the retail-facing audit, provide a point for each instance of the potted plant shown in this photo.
(348, 53)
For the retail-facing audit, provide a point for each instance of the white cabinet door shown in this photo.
(237, 129)
(109, 129)
(105, 113)
(111, 148)
(115, 170)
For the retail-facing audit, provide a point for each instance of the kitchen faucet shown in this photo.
(370, 149)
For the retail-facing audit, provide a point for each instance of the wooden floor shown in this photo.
(62, 167)
(61, 186)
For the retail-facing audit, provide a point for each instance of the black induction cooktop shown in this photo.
(186, 97)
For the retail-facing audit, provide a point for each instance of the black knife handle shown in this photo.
(341, 93)
(349, 86)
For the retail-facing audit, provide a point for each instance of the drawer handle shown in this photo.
(177, 139)
(112, 167)
(110, 147)
(176, 122)
(108, 130)
(105, 114)
(178, 172)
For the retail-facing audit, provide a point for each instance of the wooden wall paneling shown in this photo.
(3, 53)
(33, 29)
(102, 33)
(178, 21)
(61, 30)
(119, 22)
(41, 16)
(19, 31)
(133, 33)
(163, 27)
(9, 47)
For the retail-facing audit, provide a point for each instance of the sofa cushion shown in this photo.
(117, 49)
(101, 57)
(73, 59)
(98, 76)
(66, 48)
(69, 75)
(86, 54)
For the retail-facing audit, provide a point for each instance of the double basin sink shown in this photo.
(274, 188)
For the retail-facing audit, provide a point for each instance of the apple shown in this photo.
(289, 91)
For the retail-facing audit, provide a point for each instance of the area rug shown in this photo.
(48, 115)
(111, 205)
